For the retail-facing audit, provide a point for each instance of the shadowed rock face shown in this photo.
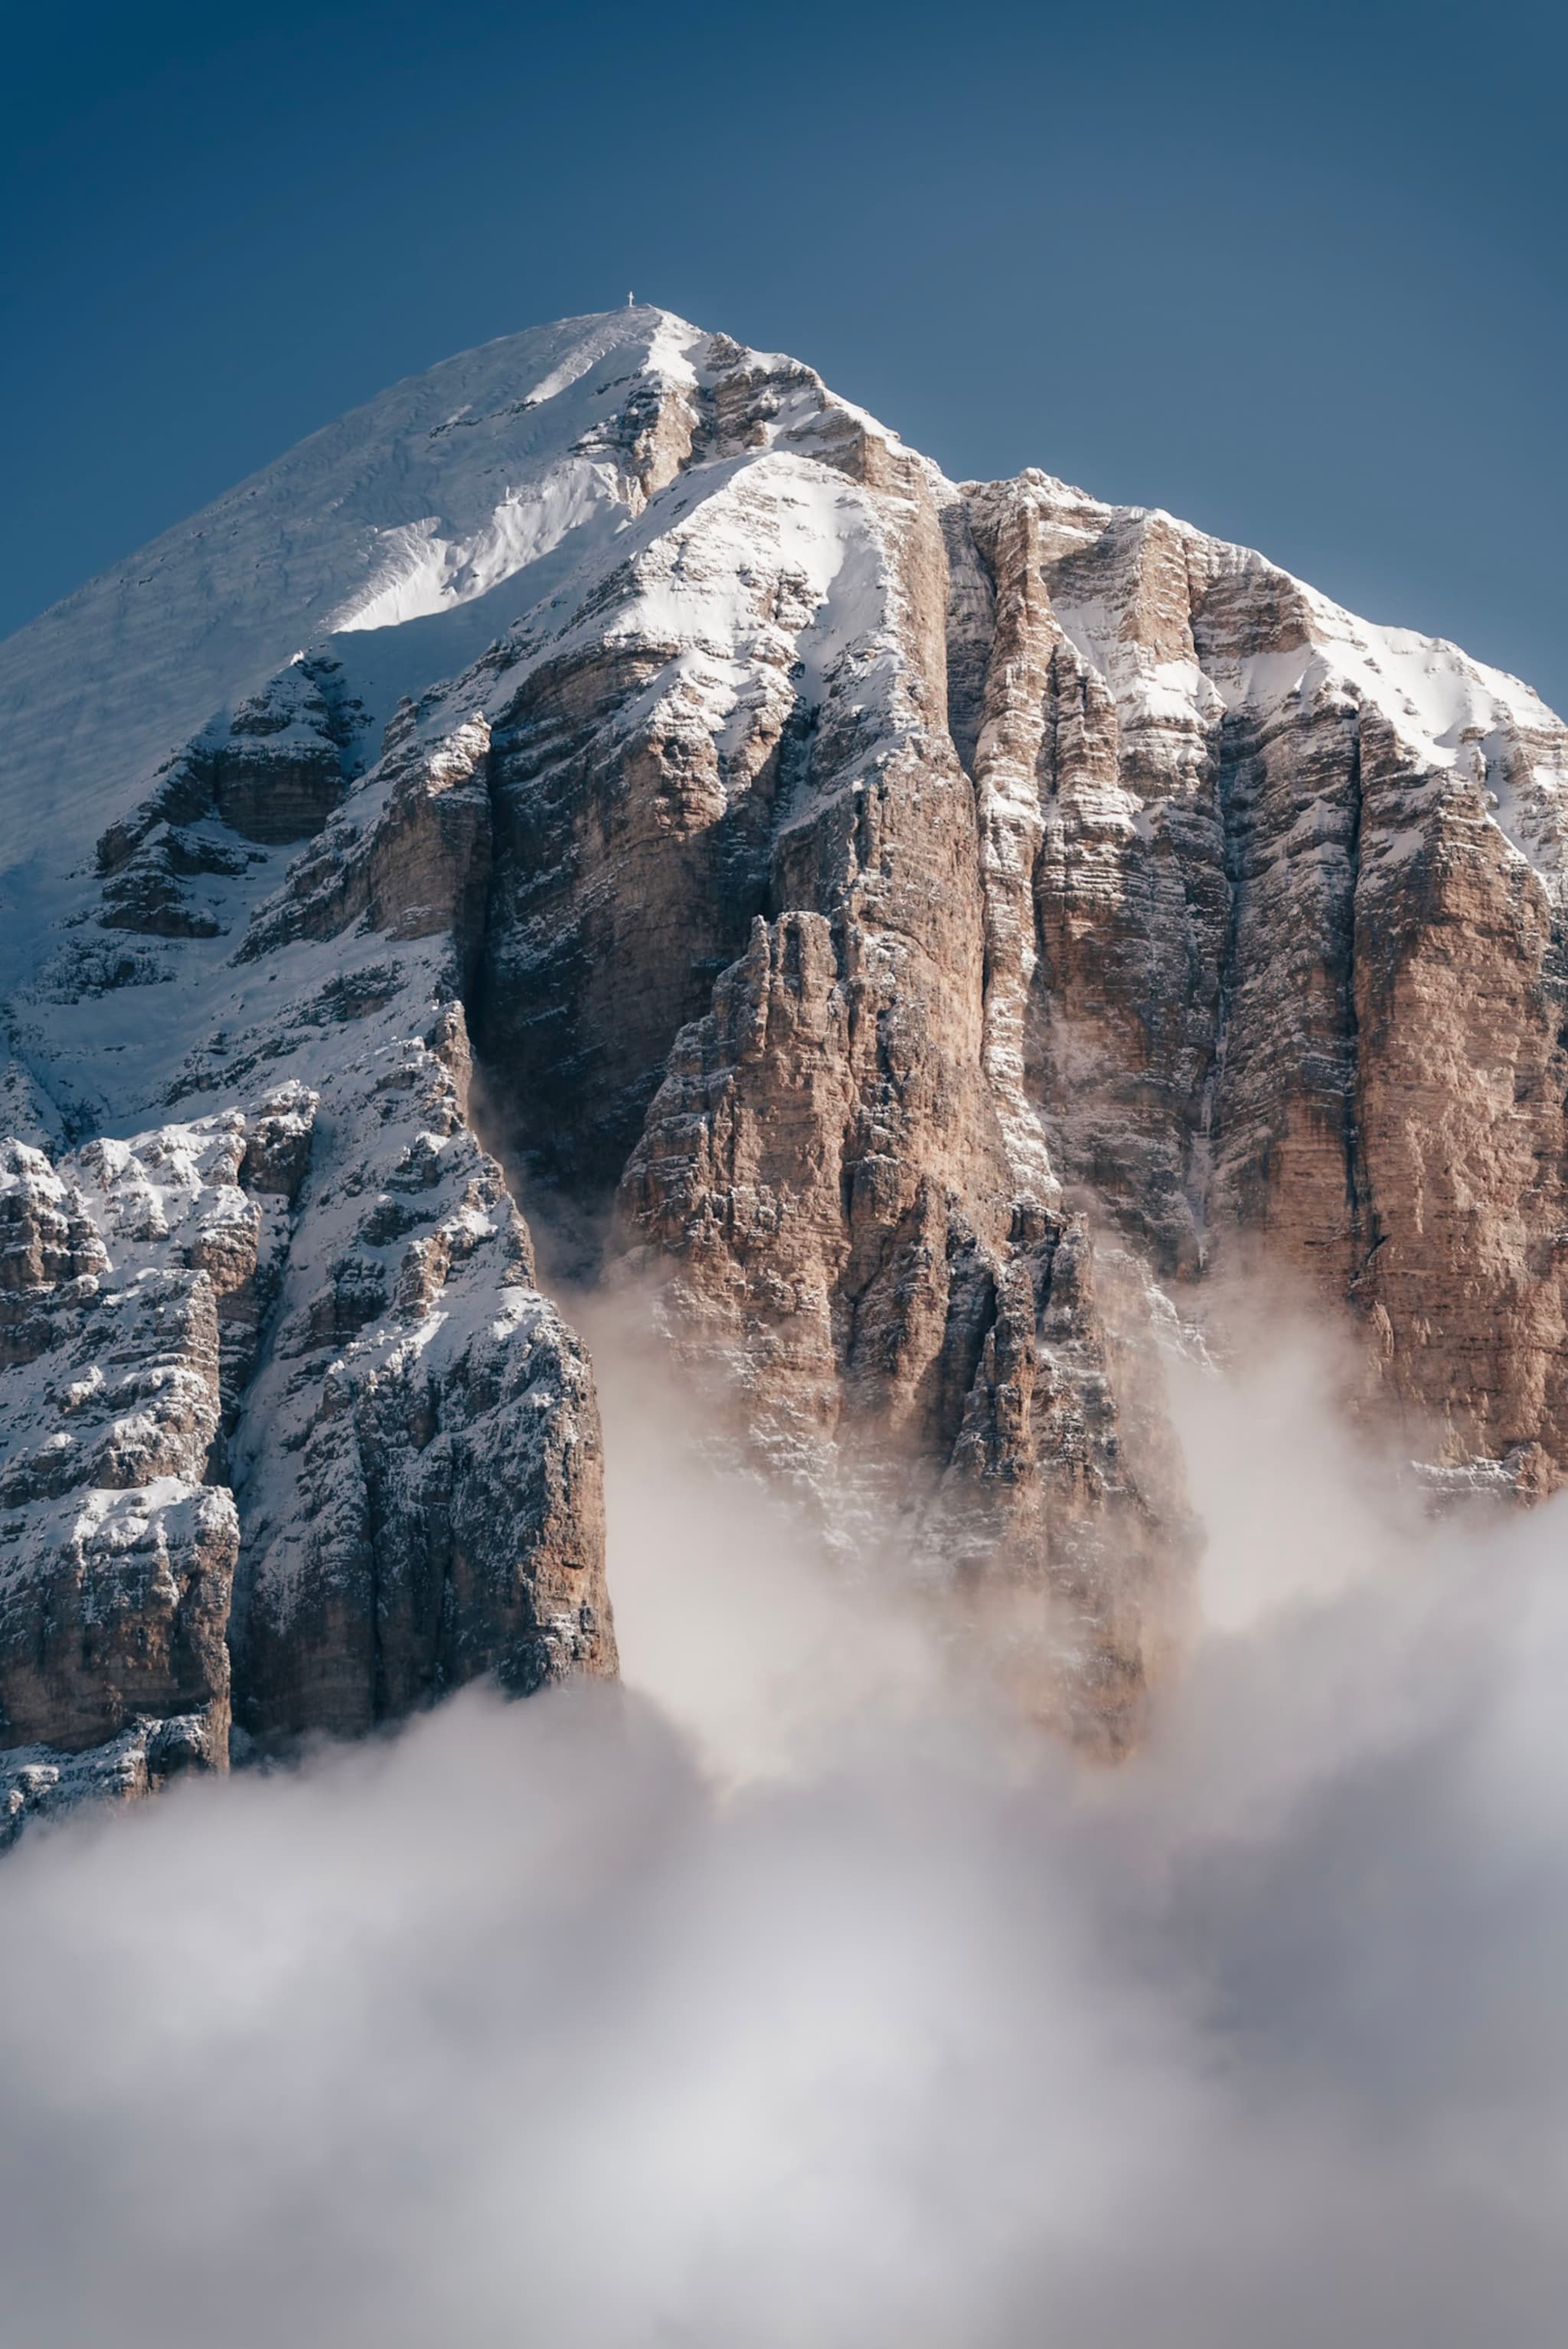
(924, 929)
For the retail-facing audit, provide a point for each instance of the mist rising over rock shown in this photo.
(917, 933)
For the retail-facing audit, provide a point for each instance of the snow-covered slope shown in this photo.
(929, 914)
(426, 499)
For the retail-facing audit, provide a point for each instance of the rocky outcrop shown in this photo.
(403, 1496)
(922, 931)
(419, 1467)
(411, 861)
(291, 1443)
(117, 1553)
(274, 770)
(734, 973)
(1297, 1001)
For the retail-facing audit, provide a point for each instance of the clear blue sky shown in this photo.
(1297, 274)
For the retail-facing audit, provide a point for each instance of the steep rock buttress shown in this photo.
(919, 930)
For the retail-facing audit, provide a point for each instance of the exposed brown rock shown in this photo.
(929, 929)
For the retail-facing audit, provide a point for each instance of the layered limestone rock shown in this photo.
(1298, 889)
(922, 930)
(736, 968)
(289, 1442)
(419, 1467)
(300, 1405)
(117, 1553)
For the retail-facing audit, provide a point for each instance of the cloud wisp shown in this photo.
(789, 1996)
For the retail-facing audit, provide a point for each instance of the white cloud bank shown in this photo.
(783, 2001)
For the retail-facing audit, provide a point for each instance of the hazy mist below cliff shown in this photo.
(789, 1995)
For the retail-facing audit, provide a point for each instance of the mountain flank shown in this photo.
(921, 931)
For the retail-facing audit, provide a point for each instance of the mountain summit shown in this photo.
(924, 928)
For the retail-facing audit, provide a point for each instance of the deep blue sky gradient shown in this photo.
(1297, 274)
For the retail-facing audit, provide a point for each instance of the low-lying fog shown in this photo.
(793, 1994)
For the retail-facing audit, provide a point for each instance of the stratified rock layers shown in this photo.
(927, 929)
(293, 1444)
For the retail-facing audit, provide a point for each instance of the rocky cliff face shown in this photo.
(292, 1444)
(920, 930)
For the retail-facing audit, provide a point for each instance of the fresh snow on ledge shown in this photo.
(424, 524)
